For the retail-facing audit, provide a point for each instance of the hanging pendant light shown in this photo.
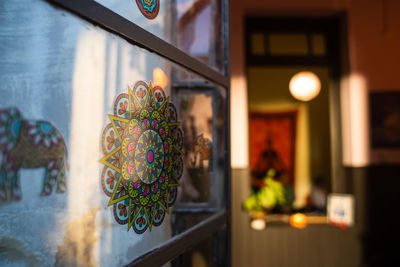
(305, 86)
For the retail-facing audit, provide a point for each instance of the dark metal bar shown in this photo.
(225, 37)
(182, 242)
(227, 153)
(194, 209)
(109, 20)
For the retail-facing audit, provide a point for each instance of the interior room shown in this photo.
(340, 148)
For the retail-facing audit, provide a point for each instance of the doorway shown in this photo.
(309, 151)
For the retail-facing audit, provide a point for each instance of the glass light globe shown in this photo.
(298, 220)
(257, 224)
(160, 78)
(305, 86)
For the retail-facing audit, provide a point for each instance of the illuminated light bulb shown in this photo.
(257, 224)
(298, 220)
(160, 78)
(305, 86)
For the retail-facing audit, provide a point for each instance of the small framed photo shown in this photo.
(341, 210)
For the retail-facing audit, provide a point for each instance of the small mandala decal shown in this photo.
(149, 8)
(143, 157)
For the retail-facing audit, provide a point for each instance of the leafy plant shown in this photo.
(271, 195)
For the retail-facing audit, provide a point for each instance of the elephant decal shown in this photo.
(30, 144)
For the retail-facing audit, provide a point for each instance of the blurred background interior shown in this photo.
(338, 144)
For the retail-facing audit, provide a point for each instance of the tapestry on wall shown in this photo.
(143, 157)
(272, 146)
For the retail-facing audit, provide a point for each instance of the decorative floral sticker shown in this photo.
(149, 8)
(142, 148)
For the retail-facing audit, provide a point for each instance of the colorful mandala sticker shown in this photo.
(149, 8)
(143, 157)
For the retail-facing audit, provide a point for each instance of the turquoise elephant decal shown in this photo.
(30, 144)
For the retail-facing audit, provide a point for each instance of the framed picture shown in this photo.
(341, 210)
(272, 146)
(385, 127)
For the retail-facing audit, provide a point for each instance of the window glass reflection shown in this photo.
(62, 81)
(198, 24)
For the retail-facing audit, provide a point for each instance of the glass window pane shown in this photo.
(202, 178)
(258, 44)
(318, 44)
(92, 157)
(193, 26)
(288, 44)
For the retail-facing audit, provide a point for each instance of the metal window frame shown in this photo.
(112, 22)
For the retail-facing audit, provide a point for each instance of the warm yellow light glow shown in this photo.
(239, 123)
(355, 120)
(257, 224)
(88, 83)
(160, 78)
(298, 220)
(305, 86)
